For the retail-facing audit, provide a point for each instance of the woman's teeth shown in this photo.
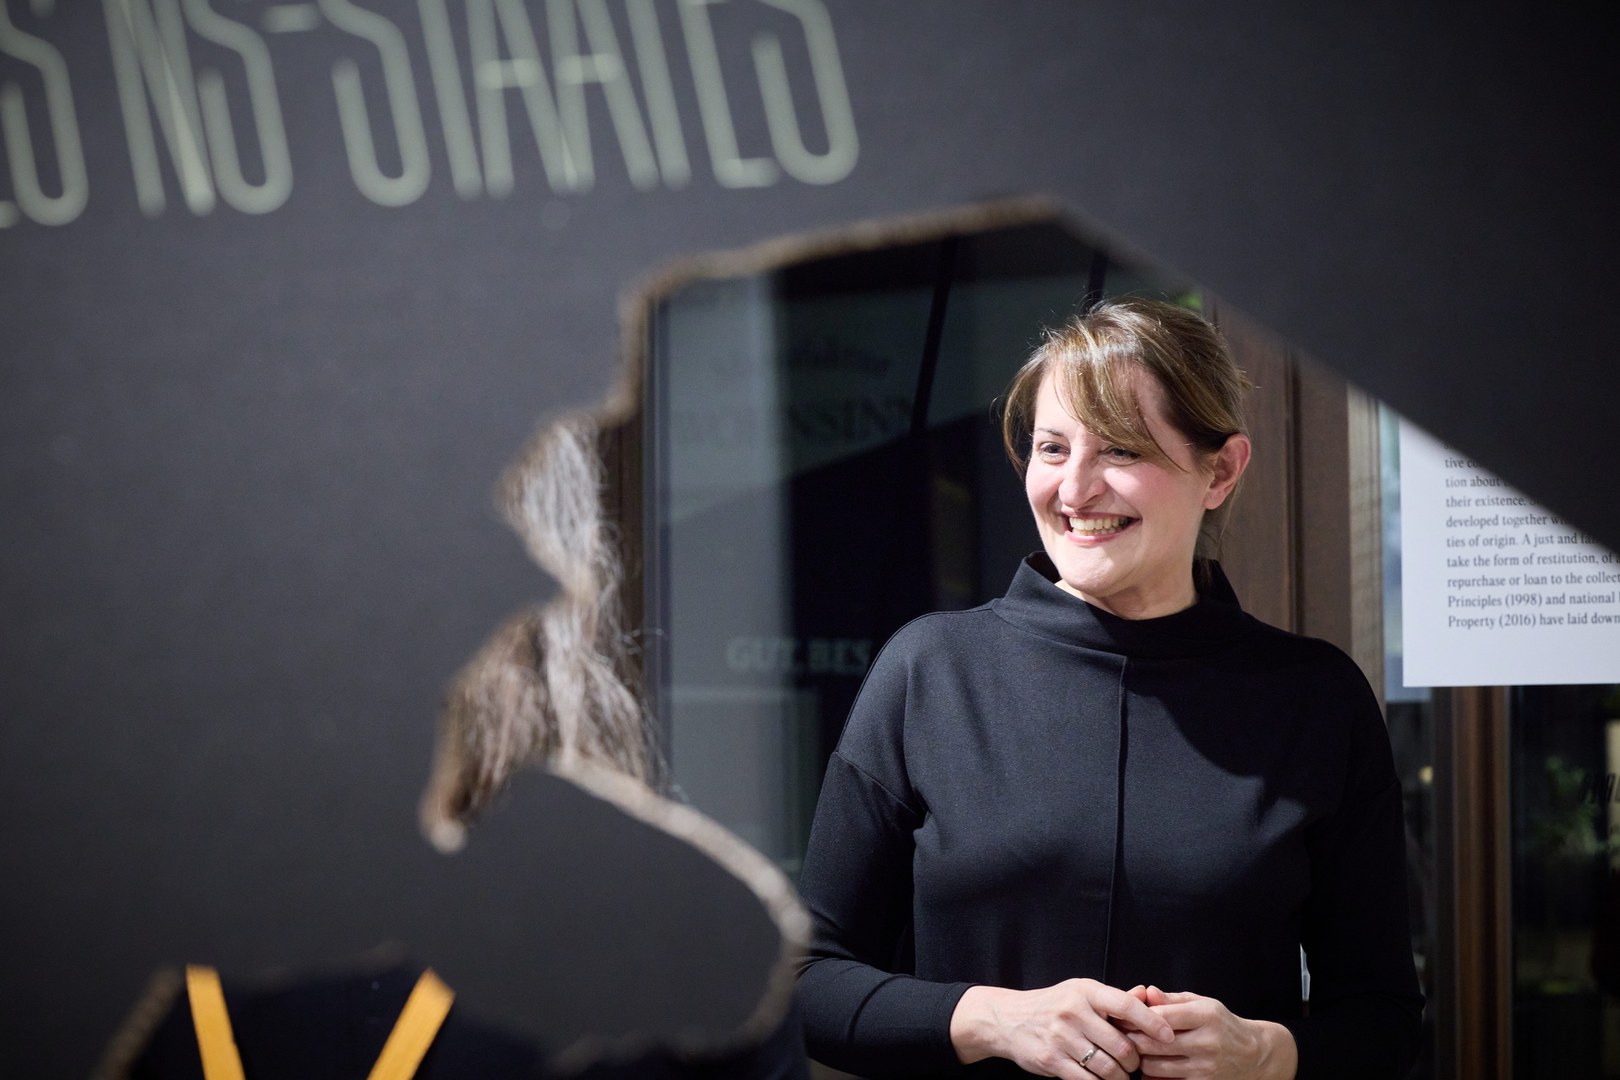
(1097, 526)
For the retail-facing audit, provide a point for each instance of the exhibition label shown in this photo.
(1496, 590)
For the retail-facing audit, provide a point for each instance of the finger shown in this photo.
(1147, 1045)
(1066, 1065)
(1173, 998)
(1112, 1047)
(1153, 996)
(1058, 1065)
(1184, 1016)
(1122, 1006)
(1167, 1068)
(1106, 1067)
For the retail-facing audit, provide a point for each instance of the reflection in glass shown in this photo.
(1566, 881)
(825, 467)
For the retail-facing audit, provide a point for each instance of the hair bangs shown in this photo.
(1097, 383)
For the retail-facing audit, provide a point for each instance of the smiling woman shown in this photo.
(1120, 527)
(1128, 427)
(1091, 827)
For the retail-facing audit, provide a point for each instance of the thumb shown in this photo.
(1176, 998)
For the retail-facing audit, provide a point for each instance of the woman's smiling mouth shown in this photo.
(1099, 526)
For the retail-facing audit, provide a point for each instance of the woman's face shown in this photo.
(1120, 529)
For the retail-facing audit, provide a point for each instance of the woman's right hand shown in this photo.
(1050, 1031)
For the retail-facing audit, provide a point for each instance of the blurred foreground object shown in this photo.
(695, 932)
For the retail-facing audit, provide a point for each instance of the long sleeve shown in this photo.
(863, 1011)
(1036, 790)
(1365, 1007)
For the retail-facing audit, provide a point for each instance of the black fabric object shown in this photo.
(333, 1027)
(1036, 790)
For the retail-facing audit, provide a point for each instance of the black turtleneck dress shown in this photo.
(1036, 790)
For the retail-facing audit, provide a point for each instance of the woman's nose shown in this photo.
(1081, 483)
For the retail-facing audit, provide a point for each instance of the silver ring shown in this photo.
(1089, 1054)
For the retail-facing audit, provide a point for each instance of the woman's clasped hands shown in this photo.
(1075, 1030)
(1210, 1042)
(1082, 1029)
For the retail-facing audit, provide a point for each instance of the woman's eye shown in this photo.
(1121, 455)
(1048, 450)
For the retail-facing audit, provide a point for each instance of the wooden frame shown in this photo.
(1474, 984)
(1305, 537)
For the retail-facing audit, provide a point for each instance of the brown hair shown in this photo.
(552, 686)
(1093, 358)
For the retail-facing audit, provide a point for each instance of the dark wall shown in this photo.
(245, 454)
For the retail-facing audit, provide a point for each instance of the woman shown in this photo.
(1112, 780)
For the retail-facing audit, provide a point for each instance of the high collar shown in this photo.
(1035, 603)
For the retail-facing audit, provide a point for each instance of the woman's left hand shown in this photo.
(1211, 1043)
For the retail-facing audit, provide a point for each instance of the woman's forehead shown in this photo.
(1101, 397)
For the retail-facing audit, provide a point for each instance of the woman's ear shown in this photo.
(1230, 461)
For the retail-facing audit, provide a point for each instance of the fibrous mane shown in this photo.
(551, 685)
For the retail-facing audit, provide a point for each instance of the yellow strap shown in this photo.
(216, 1044)
(413, 1032)
(407, 1044)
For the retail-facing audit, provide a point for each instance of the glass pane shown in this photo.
(825, 467)
(1566, 892)
(1565, 844)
